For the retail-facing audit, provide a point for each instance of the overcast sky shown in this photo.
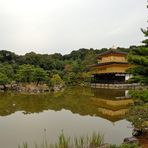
(49, 26)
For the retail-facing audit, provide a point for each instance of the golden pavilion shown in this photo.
(111, 67)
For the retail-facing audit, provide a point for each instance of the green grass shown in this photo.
(93, 141)
(124, 146)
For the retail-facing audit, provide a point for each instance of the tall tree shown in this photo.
(8, 70)
(56, 80)
(145, 32)
(40, 75)
(25, 73)
(4, 80)
(139, 57)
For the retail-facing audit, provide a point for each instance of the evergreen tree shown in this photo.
(145, 32)
(56, 80)
(4, 80)
(25, 73)
(40, 75)
(138, 56)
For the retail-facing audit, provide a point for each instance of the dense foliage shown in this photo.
(139, 57)
(140, 95)
(32, 67)
(139, 116)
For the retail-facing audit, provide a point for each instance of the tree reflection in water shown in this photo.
(80, 100)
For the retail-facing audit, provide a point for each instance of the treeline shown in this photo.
(39, 68)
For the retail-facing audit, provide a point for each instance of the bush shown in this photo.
(56, 80)
(141, 95)
(138, 115)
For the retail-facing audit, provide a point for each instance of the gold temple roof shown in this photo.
(112, 51)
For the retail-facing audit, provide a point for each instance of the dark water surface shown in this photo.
(77, 111)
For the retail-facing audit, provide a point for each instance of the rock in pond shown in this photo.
(131, 140)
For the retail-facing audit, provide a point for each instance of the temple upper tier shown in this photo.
(111, 67)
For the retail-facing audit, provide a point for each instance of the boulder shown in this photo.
(57, 88)
(131, 140)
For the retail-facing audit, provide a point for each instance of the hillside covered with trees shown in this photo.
(44, 68)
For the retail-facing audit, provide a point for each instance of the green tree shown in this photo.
(8, 70)
(86, 76)
(56, 80)
(139, 57)
(76, 66)
(25, 73)
(4, 80)
(71, 78)
(145, 32)
(6, 74)
(40, 75)
(7, 56)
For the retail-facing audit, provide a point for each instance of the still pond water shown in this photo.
(77, 111)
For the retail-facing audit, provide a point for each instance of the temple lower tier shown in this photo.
(110, 78)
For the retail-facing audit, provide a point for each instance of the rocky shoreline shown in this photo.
(31, 88)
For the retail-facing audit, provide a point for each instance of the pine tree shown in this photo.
(145, 32)
(139, 57)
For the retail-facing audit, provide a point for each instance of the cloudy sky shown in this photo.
(49, 26)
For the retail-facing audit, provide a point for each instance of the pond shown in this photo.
(77, 111)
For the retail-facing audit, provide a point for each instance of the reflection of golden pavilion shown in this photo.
(111, 67)
(112, 109)
(111, 113)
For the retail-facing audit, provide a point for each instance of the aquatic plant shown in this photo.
(93, 141)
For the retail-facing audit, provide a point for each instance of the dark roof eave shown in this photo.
(112, 51)
(108, 63)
